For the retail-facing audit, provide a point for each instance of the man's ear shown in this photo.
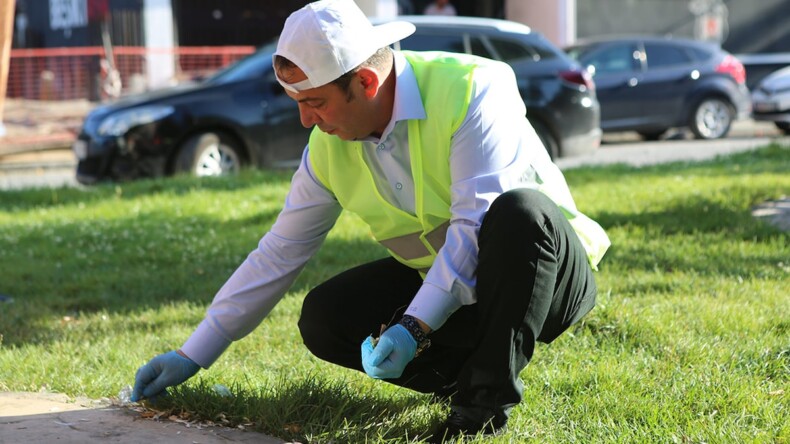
(369, 79)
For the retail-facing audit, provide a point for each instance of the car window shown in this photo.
(613, 59)
(660, 55)
(479, 48)
(433, 42)
(445, 42)
(250, 67)
(509, 51)
(700, 54)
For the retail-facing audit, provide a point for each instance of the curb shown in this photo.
(37, 158)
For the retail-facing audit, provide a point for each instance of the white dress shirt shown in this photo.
(494, 150)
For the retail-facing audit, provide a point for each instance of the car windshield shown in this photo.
(253, 66)
(575, 52)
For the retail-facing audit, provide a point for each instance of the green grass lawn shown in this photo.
(690, 341)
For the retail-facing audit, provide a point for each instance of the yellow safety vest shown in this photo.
(445, 82)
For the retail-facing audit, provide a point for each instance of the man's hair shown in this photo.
(378, 60)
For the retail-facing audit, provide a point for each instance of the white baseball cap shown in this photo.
(329, 38)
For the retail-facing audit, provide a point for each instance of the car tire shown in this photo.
(783, 127)
(547, 138)
(711, 118)
(209, 154)
(652, 135)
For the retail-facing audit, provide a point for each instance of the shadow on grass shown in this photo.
(310, 408)
(696, 234)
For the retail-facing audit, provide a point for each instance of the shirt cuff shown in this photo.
(433, 306)
(205, 345)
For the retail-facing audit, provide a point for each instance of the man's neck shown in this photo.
(386, 102)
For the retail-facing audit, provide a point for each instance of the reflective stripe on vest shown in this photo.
(410, 246)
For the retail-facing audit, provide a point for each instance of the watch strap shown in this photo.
(413, 327)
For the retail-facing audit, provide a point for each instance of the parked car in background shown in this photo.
(651, 84)
(558, 92)
(771, 100)
(238, 117)
(242, 117)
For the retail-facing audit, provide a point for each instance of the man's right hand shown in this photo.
(163, 371)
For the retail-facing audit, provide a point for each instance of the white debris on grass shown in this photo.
(125, 395)
(222, 391)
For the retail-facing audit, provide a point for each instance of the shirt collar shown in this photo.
(408, 101)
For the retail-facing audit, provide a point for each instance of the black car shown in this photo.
(241, 116)
(651, 84)
(558, 92)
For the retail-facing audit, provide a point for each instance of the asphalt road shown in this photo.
(629, 149)
(56, 168)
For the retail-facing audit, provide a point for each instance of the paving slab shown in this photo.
(30, 418)
(35, 125)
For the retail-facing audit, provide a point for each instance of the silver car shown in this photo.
(771, 99)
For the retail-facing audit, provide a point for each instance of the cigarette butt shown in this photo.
(375, 340)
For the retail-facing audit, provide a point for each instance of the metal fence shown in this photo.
(78, 73)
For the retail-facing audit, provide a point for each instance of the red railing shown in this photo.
(76, 73)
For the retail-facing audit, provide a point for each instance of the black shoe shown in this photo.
(458, 425)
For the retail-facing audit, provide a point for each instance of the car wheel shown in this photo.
(209, 154)
(547, 138)
(652, 135)
(783, 126)
(711, 119)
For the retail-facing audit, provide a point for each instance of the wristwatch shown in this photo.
(411, 324)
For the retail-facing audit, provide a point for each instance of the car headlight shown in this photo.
(120, 122)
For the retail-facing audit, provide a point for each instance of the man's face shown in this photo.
(347, 115)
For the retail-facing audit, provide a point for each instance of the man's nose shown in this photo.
(308, 117)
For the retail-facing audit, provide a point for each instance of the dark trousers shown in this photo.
(533, 282)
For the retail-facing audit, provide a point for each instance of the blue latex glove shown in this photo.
(388, 358)
(161, 372)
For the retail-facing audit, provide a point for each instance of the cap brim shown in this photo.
(392, 32)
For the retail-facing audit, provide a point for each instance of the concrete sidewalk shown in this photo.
(49, 418)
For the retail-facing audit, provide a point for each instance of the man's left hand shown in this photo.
(387, 359)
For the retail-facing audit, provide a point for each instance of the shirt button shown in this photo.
(381, 147)
(399, 185)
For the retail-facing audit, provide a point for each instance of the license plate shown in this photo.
(80, 148)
